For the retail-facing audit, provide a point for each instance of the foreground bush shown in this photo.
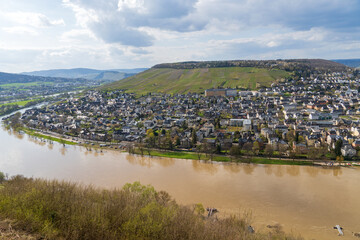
(63, 210)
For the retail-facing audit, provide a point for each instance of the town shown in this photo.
(309, 118)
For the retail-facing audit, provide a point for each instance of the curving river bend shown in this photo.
(306, 200)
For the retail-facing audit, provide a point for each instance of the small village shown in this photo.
(307, 118)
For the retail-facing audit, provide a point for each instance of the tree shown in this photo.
(292, 154)
(141, 148)
(248, 146)
(269, 150)
(313, 153)
(235, 151)
(290, 136)
(150, 138)
(340, 158)
(193, 138)
(199, 148)
(177, 141)
(170, 144)
(236, 134)
(184, 125)
(2, 177)
(338, 146)
(218, 148)
(256, 148)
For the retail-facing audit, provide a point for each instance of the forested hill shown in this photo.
(87, 73)
(287, 65)
(6, 78)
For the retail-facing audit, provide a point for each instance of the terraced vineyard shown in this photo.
(170, 80)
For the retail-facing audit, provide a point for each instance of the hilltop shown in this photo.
(87, 73)
(197, 76)
(287, 64)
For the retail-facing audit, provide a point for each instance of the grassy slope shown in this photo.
(168, 80)
(219, 158)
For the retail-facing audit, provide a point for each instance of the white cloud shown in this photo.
(21, 30)
(138, 33)
(137, 5)
(77, 35)
(32, 19)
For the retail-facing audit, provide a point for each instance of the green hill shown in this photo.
(171, 80)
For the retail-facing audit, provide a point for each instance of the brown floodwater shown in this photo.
(303, 199)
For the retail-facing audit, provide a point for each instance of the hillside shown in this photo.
(86, 73)
(287, 64)
(194, 76)
(10, 78)
(169, 80)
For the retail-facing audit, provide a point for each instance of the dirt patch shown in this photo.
(9, 230)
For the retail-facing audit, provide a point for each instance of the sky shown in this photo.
(111, 34)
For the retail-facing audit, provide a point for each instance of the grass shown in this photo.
(220, 158)
(166, 80)
(39, 135)
(21, 85)
(22, 103)
(63, 210)
(280, 162)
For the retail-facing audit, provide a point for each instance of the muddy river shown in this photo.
(306, 200)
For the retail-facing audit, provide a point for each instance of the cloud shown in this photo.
(137, 33)
(304, 14)
(122, 21)
(112, 32)
(77, 36)
(21, 30)
(32, 19)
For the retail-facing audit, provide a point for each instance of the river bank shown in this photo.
(89, 145)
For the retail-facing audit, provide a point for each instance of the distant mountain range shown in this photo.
(355, 63)
(8, 78)
(86, 73)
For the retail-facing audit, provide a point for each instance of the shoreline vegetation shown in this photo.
(181, 154)
(8, 108)
(173, 154)
(63, 210)
(220, 158)
(13, 122)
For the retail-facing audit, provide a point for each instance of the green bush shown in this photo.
(63, 210)
(2, 177)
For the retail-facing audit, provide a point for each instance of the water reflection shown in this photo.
(203, 166)
(293, 170)
(337, 171)
(249, 168)
(50, 146)
(37, 141)
(63, 150)
(139, 160)
(18, 135)
(232, 168)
